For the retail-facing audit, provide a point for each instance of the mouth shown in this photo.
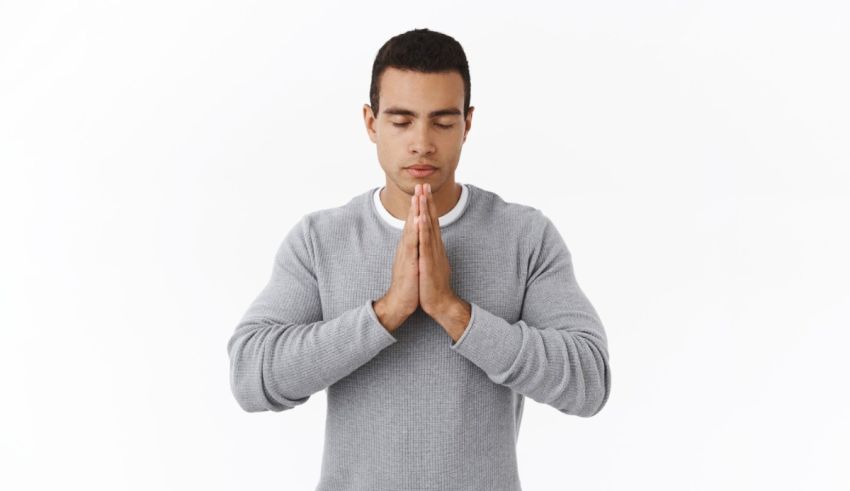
(419, 170)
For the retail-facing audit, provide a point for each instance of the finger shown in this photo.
(434, 240)
(416, 203)
(435, 236)
(432, 211)
(410, 222)
(411, 228)
(424, 232)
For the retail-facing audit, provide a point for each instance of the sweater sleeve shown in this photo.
(557, 352)
(282, 351)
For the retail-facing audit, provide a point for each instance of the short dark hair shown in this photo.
(420, 50)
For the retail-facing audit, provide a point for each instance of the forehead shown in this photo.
(421, 91)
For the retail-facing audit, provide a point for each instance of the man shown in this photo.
(427, 309)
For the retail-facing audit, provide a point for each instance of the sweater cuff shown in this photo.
(489, 341)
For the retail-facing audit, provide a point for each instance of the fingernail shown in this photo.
(429, 187)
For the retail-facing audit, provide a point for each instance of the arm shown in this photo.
(282, 351)
(557, 354)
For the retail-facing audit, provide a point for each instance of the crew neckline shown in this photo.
(446, 219)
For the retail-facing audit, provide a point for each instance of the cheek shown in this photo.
(390, 150)
(389, 146)
(453, 135)
(452, 142)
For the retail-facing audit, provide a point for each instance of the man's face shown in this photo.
(420, 122)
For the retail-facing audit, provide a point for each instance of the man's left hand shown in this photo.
(436, 296)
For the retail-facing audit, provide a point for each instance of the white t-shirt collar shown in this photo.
(445, 219)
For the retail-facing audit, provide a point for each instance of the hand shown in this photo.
(435, 290)
(402, 298)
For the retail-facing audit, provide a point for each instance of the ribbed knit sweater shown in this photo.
(412, 410)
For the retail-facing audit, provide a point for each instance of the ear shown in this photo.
(369, 121)
(468, 122)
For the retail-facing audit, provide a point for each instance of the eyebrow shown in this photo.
(449, 111)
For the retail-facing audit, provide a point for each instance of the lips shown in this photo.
(422, 167)
(419, 171)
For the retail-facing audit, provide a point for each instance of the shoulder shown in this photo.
(334, 220)
(521, 218)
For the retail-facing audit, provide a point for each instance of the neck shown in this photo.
(397, 200)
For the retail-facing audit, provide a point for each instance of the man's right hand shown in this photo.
(402, 298)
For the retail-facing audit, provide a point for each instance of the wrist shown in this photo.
(453, 315)
(388, 316)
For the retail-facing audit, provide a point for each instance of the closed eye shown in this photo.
(444, 126)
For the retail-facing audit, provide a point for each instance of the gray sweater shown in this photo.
(412, 410)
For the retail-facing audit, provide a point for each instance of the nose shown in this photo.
(423, 143)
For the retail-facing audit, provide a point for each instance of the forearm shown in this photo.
(565, 367)
(277, 366)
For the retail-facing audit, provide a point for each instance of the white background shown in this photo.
(694, 156)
